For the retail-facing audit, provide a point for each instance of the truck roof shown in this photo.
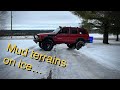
(75, 28)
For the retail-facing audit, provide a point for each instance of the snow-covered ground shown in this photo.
(107, 55)
(95, 60)
(9, 72)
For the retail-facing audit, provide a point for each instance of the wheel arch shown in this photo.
(48, 38)
(80, 39)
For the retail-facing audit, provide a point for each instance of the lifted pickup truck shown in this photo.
(74, 37)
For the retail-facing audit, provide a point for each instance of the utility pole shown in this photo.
(11, 24)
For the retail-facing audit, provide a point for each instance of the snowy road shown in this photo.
(94, 61)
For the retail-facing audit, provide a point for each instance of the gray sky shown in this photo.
(42, 19)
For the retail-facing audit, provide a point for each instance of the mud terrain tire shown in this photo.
(71, 45)
(47, 45)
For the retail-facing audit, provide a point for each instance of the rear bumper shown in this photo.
(87, 41)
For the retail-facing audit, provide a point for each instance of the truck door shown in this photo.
(73, 35)
(62, 36)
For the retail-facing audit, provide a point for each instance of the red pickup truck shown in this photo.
(74, 37)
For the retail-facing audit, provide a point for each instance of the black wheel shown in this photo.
(79, 44)
(47, 45)
(40, 45)
(71, 45)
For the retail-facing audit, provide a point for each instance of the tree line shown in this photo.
(22, 32)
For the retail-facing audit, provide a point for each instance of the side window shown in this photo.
(64, 31)
(82, 31)
(73, 31)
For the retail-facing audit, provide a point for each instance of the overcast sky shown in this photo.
(42, 19)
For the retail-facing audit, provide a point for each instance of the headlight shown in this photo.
(36, 37)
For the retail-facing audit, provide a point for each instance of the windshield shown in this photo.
(56, 30)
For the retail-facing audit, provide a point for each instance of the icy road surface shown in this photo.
(94, 61)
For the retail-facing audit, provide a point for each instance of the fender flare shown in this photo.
(48, 38)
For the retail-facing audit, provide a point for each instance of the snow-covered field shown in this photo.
(98, 36)
(15, 37)
(93, 61)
